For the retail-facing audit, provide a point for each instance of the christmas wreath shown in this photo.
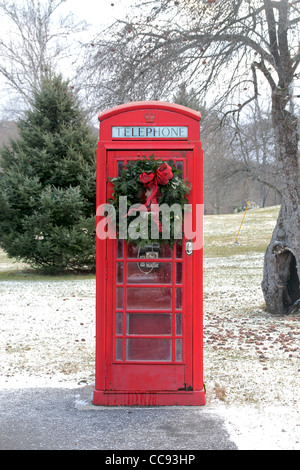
(146, 182)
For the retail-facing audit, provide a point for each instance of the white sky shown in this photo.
(98, 12)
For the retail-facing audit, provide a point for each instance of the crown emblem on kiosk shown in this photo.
(149, 117)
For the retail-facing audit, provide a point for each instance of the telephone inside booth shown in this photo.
(152, 252)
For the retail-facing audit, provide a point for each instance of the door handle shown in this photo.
(189, 247)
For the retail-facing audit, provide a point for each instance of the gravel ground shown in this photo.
(251, 358)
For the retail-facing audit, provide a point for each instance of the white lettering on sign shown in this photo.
(150, 132)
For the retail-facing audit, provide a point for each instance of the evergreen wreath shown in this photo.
(145, 181)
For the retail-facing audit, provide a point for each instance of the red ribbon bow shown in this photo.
(162, 176)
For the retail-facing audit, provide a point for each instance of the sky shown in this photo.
(98, 12)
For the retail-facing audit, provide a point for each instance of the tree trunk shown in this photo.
(281, 286)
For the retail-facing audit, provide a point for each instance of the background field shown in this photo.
(251, 358)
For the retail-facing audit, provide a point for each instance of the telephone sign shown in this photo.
(153, 132)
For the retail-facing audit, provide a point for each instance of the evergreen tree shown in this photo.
(186, 97)
(48, 184)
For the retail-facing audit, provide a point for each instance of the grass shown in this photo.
(220, 232)
(29, 275)
(12, 270)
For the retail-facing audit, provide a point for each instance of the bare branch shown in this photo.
(38, 40)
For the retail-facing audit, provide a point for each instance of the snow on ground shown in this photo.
(251, 358)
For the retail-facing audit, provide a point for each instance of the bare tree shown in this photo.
(232, 52)
(262, 148)
(253, 151)
(34, 39)
(239, 156)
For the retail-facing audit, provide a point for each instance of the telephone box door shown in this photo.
(150, 301)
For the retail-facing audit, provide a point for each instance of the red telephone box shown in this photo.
(149, 347)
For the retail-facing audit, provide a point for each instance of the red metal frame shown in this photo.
(148, 382)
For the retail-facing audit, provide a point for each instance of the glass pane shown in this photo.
(166, 251)
(119, 248)
(148, 349)
(149, 323)
(119, 349)
(178, 298)
(119, 323)
(153, 298)
(120, 166)
(119, 273)
(119, 297)
(163, 251)
(132, 251)
(178, 327)
(179, 166)
(178, 273)
(178, 350)
(148, 272)
(178, 250)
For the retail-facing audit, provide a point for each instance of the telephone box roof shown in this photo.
(176, 108)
